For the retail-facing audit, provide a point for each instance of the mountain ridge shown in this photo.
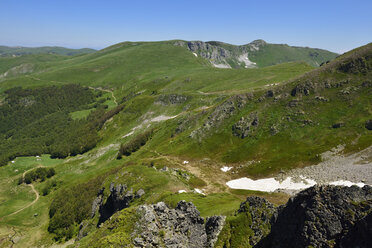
(21, 50)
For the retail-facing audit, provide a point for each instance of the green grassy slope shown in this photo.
(18, 51)
(265, 54)
(295, 112)
(271, 54)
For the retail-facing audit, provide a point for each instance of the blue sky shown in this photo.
(334, 25)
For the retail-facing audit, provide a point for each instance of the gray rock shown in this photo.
(118, 199)
(243, 126)
(320, 217)
(221, 113)
(171, 99)
(140, 193)
(368, 124)
(179, 227)
(321, 99)
(303, 88)
(338, 125)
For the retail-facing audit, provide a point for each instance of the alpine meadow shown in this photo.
(184, 143)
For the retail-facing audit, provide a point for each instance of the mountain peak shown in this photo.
(258, 42)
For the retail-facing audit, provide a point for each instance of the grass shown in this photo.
(212, 204)
(270, 54)
(149, 70)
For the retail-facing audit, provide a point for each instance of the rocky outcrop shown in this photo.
(120, 197)
(368, 124)
(97, 202)
(171, 99)
(321, 216)
(303, 88)
(244, 125)
(222, 112)
(161, 226)
(360, 235)
(223, 56)
(262, 213)
(355, 65)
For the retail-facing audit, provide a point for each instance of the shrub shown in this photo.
(38, 174)
(72, 205)
(135, 144)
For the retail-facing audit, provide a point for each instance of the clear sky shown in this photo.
(336, 25)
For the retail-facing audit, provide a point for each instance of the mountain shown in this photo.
(97, 148)
(255, 54)
(19, 51)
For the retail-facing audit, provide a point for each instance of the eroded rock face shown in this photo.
(243, 126)
(120, 197)
(319, 217)
(263, 214)
(360, 235)
(162, 226)
(222, 112)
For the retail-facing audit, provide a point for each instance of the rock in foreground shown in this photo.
(323, 217)
(160, 226)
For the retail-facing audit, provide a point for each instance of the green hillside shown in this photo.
(258, 53)
(19, 51)
(176, 121)
(271, 54)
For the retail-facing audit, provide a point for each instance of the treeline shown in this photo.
(24, 106)
(38, 174)
(135, 144)
(37, 121)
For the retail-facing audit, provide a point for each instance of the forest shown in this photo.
(37, 121)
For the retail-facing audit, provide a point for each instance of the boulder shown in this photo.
(320, 216)
(179, 227)
(368, 124)
(338, 125)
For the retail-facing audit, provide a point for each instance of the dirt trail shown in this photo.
(208, 172)
(105, 90)
(33, 189)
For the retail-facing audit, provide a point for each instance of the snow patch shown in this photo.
(347, 183)
(270, 184)
(185, 162)
(226, 168)
(181, 191)
(195, 54)
(199, 191)
(13, 162)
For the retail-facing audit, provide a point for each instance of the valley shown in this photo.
(143, 132)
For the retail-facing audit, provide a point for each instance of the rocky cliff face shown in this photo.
(329, 216)
(223, 56)
(120, 197)
(161, 226)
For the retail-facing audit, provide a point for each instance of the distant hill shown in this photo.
(255, 54)
(18, 51)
